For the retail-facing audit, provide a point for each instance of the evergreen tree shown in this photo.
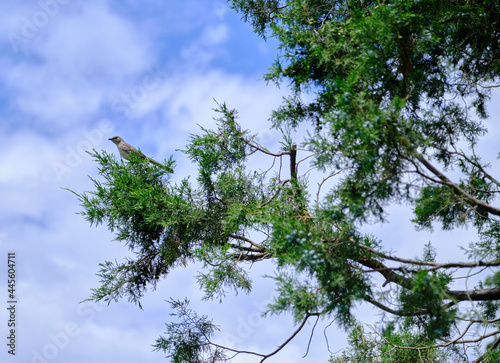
(396, 100)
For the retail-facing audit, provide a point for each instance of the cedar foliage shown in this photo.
(397, 96)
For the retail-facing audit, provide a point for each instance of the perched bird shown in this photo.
(125, 149)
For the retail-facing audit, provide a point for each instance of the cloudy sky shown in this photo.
(74, 73)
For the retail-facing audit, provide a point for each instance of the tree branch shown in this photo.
(392, 311)
(475, 295)
(459, 191)
(291, 337)
(457, 295)
(242, 238)
(264, 356)
(275, 194)
(436, 265)
(387, 272)
(265, 151)
(293, 162)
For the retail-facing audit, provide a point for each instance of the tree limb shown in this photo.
(459, 191)
(436, 265)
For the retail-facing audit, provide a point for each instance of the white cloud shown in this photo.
(215, 34)
(81, 57)
(97, 42)
(24, 159)
(208, 47)
(43, 92)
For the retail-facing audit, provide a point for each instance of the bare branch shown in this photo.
(265, 151)
(275, 194)
(291, 337)
(242, 238)
(310, 337)
(264, 356)
(320, 185)
(431, 263)
(395, 312)
(293, 162)
(245, 248)
(457, 295)
(475, 295)
(251, 257)
(446, 181)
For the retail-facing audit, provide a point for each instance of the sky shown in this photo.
(75, 73)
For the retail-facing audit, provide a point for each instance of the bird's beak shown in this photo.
(110, 138)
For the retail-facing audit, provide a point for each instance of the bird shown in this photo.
(125, 149)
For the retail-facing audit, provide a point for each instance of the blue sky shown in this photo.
(74, 73)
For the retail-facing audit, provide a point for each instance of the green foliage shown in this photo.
(391, 346)
(217, 151)
(361, 348)
(225, 274)
(189, 340)
(438, 203)
(488, 247)
(393, 95)
(395, 347)
(136, 201)
(388, 348)
(258, 12)
(428, 292)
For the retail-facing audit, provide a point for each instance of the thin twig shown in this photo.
(310, 337)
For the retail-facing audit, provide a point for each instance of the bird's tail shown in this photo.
(170, 170)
